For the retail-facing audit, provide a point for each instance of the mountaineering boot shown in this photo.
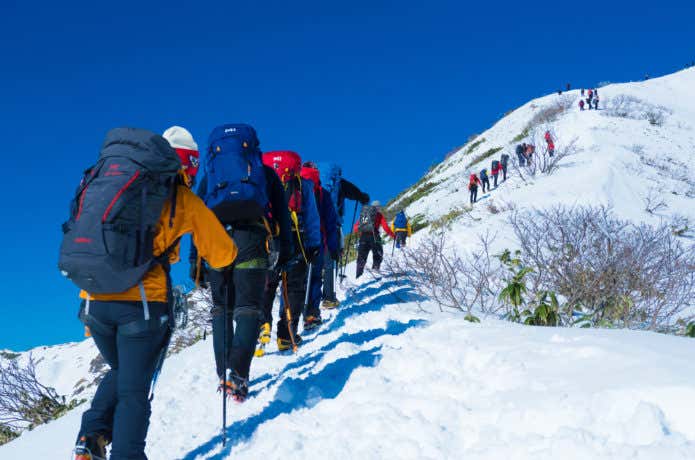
(312, 322)
(330, 304)
(92, 447)
(286, 344)
(237, 387)
(263, 340)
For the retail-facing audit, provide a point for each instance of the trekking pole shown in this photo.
(347, 253)
(226, 371)
(288, 311)
(393, 248)
(308, 289)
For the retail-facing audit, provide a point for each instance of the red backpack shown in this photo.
(288, 166)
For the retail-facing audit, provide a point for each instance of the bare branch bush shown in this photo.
(454, 281)
(24, 401)
(624, 106)
(654, 201)
(617, 273)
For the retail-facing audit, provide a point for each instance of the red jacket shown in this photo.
(496, 170)
(548, 137)
(379, 221)
(473, 181)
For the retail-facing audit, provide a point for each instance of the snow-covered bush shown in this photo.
(615, 272)
(439, 272)
(24, 401)
(624, 106)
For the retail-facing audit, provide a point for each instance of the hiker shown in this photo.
(551, 144)
(127, 308)
(581, 104)
(596, 102)
(582, 92)
(521, 153)
(237, 188)
(329, 243)
(559, 92)
(401, 228)
(495, 170)
(367, 228)
(485, 180)
(568, 87)
(530, 149)
(340, 189)
(306, 227)
(588, 103)
(473, 183)
(504, 161)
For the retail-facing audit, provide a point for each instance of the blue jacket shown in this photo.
(311, 222)
(329, 220)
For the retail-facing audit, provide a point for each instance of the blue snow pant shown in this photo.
(131, 347)
(239, 288)
(313, 308)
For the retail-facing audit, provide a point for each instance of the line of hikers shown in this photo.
(591, 99)
(258, 221)
(524, 154)
(496, 167)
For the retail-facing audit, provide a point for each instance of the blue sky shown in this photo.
(377, 86)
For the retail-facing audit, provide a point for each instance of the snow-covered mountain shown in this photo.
(389, 375)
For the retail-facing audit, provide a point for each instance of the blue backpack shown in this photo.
(236, 181)
(401, 221)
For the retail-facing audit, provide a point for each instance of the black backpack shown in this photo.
(367, 219)
(108, 238)
(505, 159)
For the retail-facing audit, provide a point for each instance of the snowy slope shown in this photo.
(385, 378)
(619, 160)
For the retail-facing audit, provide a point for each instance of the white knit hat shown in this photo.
(186, 148)
(180, 138)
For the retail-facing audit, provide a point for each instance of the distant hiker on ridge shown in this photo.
(473, 183)
(367, 228)
(495, 170)
(485, 180)
(401, 228)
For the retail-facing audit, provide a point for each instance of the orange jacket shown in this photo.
(211, 239)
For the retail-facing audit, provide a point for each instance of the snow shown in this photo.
(389, 375)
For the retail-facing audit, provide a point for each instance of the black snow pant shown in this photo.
(474, 193)
(240, 288)
(494, 179)
(486, 182)
(522, 159)
(296, 290)
(504, 172)
(329, 268)
(369, 242)
(401, 236)
(131, 347)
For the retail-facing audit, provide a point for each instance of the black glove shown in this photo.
(202, 276)
(365, 198)
(312, 254)
(335, 255)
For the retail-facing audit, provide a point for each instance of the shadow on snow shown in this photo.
(308, 387)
